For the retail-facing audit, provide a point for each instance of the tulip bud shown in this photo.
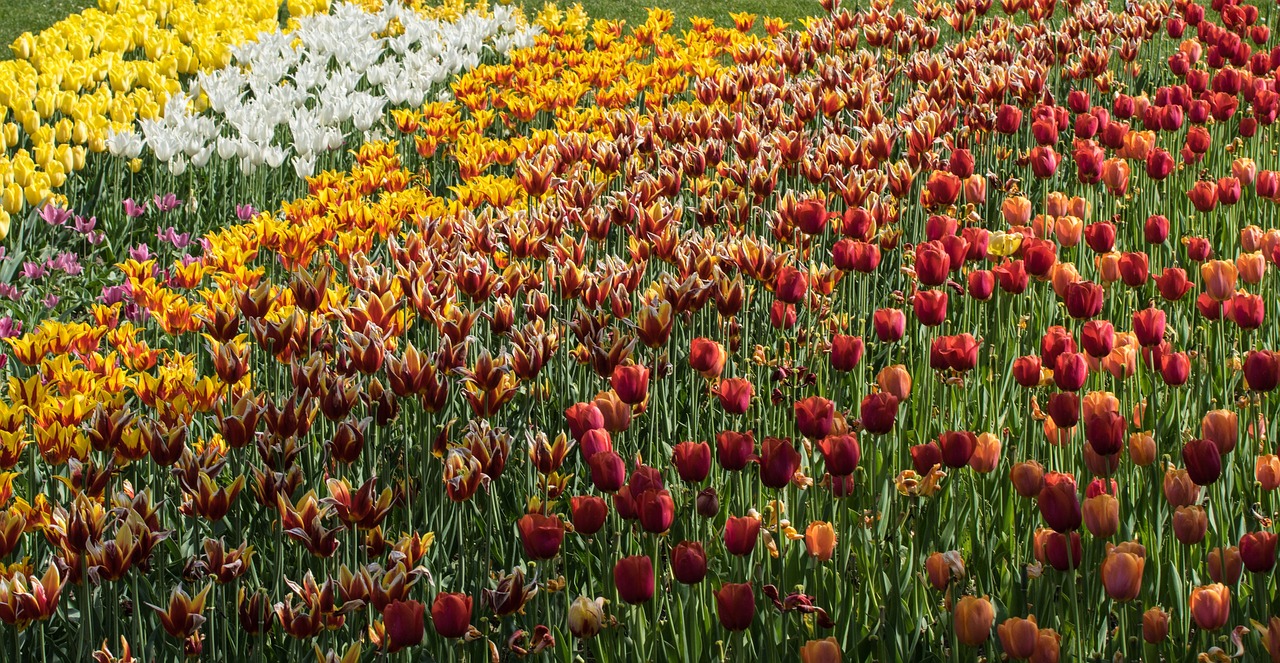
(1028, 478)
(1101, 515)
(1155, 625)
(689, 562)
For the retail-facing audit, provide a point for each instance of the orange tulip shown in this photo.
(1210, 606)
(1018, 636)
(1219, 278)
(820, 540)
(1122, 575)
(973, 617)
(826, 650)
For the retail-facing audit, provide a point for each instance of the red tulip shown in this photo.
(1175, 369)
(1258, 551)
(1063, 551)
(1173, 284)
(932, 263)
(889, 323)
(943, 187)
(815, 416)
(1204, 463)
(707, 357)
(740, 534)
(1204, 196)
(961, 163)
(957, 447)
(1008, 119)
(1026, 371)
(451, 614)
(405, 626)
(846, 352)
(1148, 326)
(736, 606)
(924, 457)
(959, 353)
(1100, 236)
(1105, 432)
(540, 535)
(689, 562)
(1245, 309)
(583, 417)
(633, 577)
(1039, 255)
(779, 461)
(1098, 338)
(1211, 606)
(1056, 341)
(1156, 229)
(1012, 277)
(1070, 371)
(631, 383)
(692, 461)
(656, 510)
(608, 472)
(1134, 269)
(735, 450)
(878, 412)
(982, 283)
(1084, 299)
(1261, 370)
(841, 454)
(734, 395)
(791, 285)
(589, 513)
(1059, 503)
(930, 307)
(594, 441)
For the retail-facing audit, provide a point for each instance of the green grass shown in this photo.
(19, 16)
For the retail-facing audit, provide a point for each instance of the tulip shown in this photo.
(957, 447)
(931, 263)
(1221, 428)
(1012, 277)
(1175, 369)
(404, 623)
(1142, 449)
(633, 577)
(972, 618)
(895, 380)
(1121, 574)
(826, 650)
(1261, 370)
(1155, 625)
(1100, 236)
(586, 617)
(631, 383)
(1210, 606)
(878, 412)
(734, 395)
(692, 461)
(1156, 229)
(689, 562)
(1039, 256)
(1098, 338)
(943, 187)
(846, 352)
(1266, 470)
(1190, 523)
(740, 534)
(1225, 566)
(735, 450)
(1063, 551)
(982, 284)
(779, 461)
(841, 454)
(1219, 278)
(589, 513)
(1083, 299)
(1070, 370)
(1258, 551)
(790, 287)
(1059, 503)
(608, 472)
(1028, 478)
(707, 503)
(943, 568)
(889, 323)
(583, 417)
(1204, 196)
(1203, 461)
(656, 510)
(814, 416)
(986, 455)
(1101, 514)
(925, 457)
(1148, 326)
(707, 357)
(451, 614)
(930, 307)
(1018, 637)
(736, 606)
(595, 441)
(1251, 267)
(1026, 371)
(540, 535)
(1173, 284)
(1270, 637)
(1064, 409)
(820, 540)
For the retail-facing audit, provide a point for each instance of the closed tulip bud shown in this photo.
(404, 624)
(975, 190)
(1204, 196)
(1222, 428)
(1121, 574)
(1258, 551)
(931, 263)
(1175, 369)
(451, 614)
(1008, 120)
(586, 617)
(1026, 371)
(633, 577)
(846, 352)
(1101, 515)
(692, 461)
(895, 380)
(1012, 277)
(1219, 278)
(1211, 606)
(1028, 478)
(1155, 625)
(840, 453)
(943, 187)
(583, 417)
(1159, 164)
(973, 618)
(1261, 370)
(1190, 523)
(1134, 269)
(1059, 503)
(608, 471)
(889, 323)
(1266, 470)
(1148, 326)
(631, 383)
(1070, 370)
(878, 412)
(736, 606)
(1251, 267)
(1083, 299)
(982, 284)
(986, 455)
(943, 568)
(707, 503)
(734, 395)
(1225, 566)
(957, 447)
(1179, 489)
(689, 562)
(589, 513)
(1142, 449)
(924, 457)
(1039, 256)
(1098, 338)
(821, 651)
(1204, 463)
(1228, 190)
(820, 540)
(1100, 236)
(814, 417)
(1245, 309)
(930, 307)
(540, 535)
(1156, 229)
(707, 357)
(740, 534)
(1018, 637)
(1048, 646)
(655, 510)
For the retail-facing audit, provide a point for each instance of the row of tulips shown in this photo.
(776, 343)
